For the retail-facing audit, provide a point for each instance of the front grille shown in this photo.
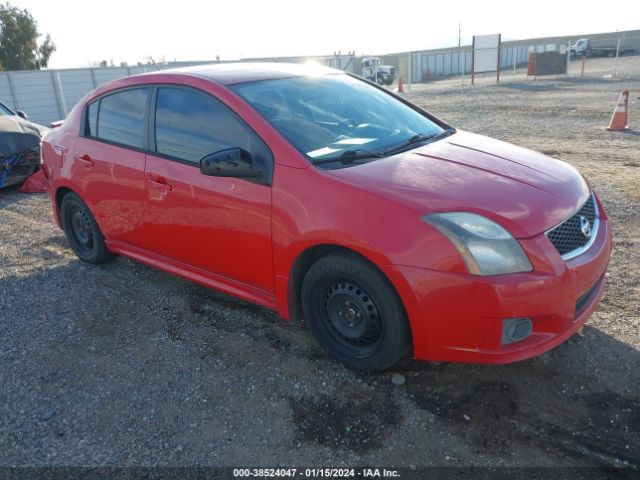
(568, 237)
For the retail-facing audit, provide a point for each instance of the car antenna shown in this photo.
(154, 62)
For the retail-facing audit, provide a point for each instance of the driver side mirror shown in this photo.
(231, 162)
(21, 114)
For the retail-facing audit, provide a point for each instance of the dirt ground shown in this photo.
(125, 365)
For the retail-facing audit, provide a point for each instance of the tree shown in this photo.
(19, 46)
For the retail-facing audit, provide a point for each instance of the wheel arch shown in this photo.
(59, 195)
(307, 257)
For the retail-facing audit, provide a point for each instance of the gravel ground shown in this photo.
(125, 365)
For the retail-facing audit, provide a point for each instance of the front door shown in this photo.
(220, 225)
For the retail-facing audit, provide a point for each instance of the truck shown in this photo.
(583, 48)
(375, 71)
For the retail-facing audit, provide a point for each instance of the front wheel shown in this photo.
(355, 313)
(82, 231)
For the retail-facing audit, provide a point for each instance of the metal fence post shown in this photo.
(615, 63)
(13, 92)
(57, 88)
(460, 65)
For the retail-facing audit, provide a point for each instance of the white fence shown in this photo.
(48, 95)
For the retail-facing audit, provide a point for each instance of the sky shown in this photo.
(86, 31)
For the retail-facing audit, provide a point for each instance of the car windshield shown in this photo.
(338, 118)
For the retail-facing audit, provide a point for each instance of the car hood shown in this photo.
(18, 135)
(524, 191)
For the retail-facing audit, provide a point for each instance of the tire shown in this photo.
(82, 231)
(355, 313)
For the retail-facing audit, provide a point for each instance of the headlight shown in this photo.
(485, 247)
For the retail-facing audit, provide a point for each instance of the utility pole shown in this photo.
(460, 52)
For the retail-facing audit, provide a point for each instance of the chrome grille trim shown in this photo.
(594, 230)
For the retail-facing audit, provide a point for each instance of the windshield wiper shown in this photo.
(349, 156)
(418, 138)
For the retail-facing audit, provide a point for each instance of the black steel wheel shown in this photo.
(355, 313)
(82, 231)
(351, 318)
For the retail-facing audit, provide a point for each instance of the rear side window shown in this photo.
(91, 127)
(191, 125)
(121, 117)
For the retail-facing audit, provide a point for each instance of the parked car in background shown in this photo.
(19, 146)
(320, 194)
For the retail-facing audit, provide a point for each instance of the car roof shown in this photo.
(244, 72)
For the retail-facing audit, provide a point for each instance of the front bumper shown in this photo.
(459, 317)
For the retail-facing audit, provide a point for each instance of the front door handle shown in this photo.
(160, 183)
(158, 188)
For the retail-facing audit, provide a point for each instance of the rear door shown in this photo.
(220, 225)
(109, 163)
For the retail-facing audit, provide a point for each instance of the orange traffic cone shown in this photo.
(400, 88)
(619, 119)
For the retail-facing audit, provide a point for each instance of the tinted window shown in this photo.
(91, 127)
(122, 117)
(191, 125)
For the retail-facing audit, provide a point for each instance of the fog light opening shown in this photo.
(515, 330)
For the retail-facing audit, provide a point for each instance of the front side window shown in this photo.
(121, 117)
(331, 116)
(191, 125)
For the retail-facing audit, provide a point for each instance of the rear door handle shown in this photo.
(85, 160)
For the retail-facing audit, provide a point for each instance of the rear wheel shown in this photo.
(82, 231)
(355, 313)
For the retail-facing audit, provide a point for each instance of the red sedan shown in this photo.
(323, 196)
